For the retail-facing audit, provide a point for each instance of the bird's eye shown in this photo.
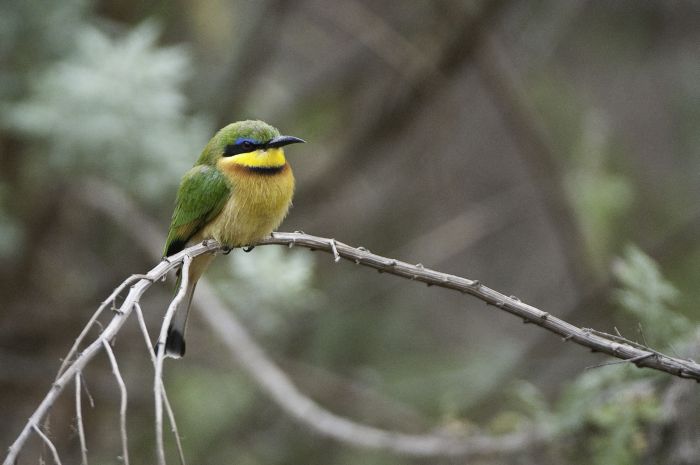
(247, 145)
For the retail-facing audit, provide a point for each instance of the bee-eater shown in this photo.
(239, 190)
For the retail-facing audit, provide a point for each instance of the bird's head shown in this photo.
(250, 143)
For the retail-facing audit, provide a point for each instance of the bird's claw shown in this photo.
(248, 248)
(226, 250)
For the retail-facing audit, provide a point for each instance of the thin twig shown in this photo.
(618, 362)
(118, 320)
(173, 425)
(48, 443)
(123, 397)
(160, 355)
(166, 401)
(110, 300)
(79, 419)
(336, 257)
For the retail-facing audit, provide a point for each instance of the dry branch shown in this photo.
(277, 384)
(121, 314)
(49, 444)
(160, 355)
(123, 400)
(166, 402)
(79, 419)
(640, 355)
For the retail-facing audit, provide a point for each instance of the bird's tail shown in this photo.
(175, 341)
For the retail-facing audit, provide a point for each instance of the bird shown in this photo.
(238, 191)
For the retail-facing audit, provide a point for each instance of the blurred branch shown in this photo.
(468, 227)
(278, 386)
(427, 77)
(499, 78)
(253, 52)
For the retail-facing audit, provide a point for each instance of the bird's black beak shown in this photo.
(281, 141)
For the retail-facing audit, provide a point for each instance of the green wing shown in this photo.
(201, 196)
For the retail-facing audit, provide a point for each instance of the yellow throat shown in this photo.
(268, 158)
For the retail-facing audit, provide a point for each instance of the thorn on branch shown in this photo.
(336, 255)
(634, 360)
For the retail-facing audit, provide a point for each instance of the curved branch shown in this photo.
(283, 391)
(280, 388)
(615, 346)
(112, 202)
(305, 410)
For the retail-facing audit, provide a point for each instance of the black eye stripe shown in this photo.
(242, 147)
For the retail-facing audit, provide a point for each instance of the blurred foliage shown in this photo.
(270, 286)
(130, 92)
(32, 33)
(111, 105)
(610, 406)
(601, 196)
(650, 298)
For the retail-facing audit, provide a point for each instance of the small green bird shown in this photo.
(239, 190)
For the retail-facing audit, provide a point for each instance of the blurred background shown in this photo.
(550, 149)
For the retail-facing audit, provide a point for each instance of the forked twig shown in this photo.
(279, 386)
(48, 443)
(103, 306)
(119, 318)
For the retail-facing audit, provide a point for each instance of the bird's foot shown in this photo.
(226, 250)
(248, 248)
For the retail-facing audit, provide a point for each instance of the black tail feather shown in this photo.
(175, 343)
